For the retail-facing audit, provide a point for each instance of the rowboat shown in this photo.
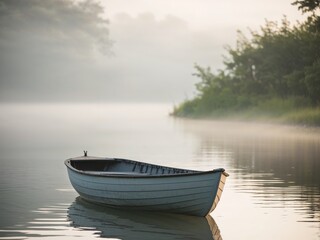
(137, 185)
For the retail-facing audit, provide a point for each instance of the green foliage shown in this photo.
(312, 79)
(274, 71)
(307, 5)
(305, 116)
(186, 109)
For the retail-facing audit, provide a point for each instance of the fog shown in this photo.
(119, 51)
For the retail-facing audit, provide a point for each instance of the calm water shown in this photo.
(273, 191)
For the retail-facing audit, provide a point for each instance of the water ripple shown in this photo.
(82, 220)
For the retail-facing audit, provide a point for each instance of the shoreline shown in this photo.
(304, 117)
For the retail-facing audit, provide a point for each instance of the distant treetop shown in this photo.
(307, 5)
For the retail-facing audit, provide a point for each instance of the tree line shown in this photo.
(277, 65)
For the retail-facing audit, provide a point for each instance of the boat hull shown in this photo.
(195, 194)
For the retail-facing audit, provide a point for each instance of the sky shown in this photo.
(119, 51)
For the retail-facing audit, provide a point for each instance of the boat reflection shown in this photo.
(122, 224)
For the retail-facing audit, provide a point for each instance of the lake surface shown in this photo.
(273, 191)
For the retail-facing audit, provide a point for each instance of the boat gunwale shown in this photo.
(67, 162)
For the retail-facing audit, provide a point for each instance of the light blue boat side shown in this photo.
(131, 184)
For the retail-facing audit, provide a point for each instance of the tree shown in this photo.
(313, 81)
(307, 5)
(280, 62)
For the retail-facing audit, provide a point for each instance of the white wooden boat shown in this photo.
(130, 184)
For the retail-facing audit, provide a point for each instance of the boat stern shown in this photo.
(221, 184)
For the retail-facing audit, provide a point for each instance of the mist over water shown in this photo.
(273, 170)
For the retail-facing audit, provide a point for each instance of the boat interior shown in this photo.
(124, 166)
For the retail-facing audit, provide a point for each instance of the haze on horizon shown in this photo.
(116, 50)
